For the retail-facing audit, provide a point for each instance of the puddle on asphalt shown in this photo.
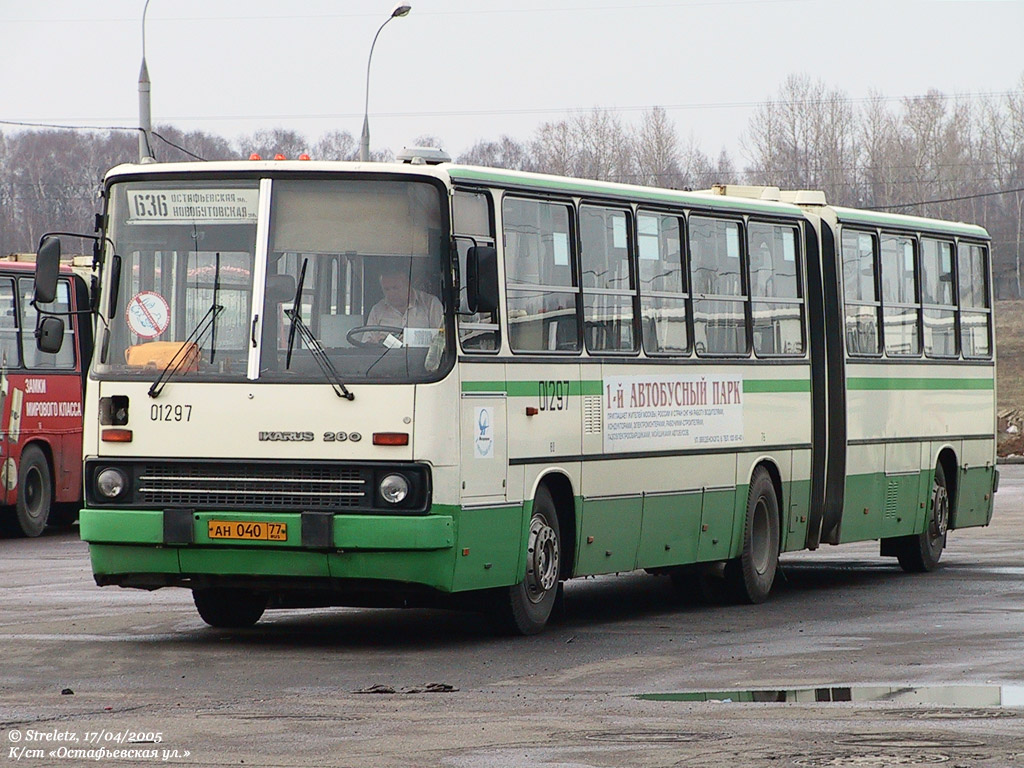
(933, 695)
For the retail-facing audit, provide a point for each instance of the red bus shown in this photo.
(41, 397)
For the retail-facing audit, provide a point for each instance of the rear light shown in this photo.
(116, 435)
(390, 438)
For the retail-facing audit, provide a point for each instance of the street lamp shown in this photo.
(364, 143)
(145, 125)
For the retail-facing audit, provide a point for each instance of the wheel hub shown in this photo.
(541, 560)
(940, 511)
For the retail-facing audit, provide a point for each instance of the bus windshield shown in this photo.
(353, 282)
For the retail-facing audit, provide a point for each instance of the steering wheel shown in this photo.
(361, 329)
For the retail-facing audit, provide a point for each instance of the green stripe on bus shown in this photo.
(776, 385)
(530, 388)
(876, 384)
(640, 194)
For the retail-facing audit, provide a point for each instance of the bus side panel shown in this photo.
(489, 547)
(794, 535)
(610, 520)
(974, 484)
(718, 510)
(865, 492)
(670, 529)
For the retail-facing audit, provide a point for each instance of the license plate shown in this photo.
(247, 530)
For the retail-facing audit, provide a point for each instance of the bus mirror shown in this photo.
(47, 267)
(50, 335)
(482, 278)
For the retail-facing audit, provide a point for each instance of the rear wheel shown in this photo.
(229, 608)
(526, 607)
(35, 493)
(920, 553)
(752, 574)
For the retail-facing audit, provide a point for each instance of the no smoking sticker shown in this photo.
(148, 314)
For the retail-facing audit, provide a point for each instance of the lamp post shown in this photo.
(364, 142)
(145, 124)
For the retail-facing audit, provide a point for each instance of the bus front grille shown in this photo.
(288, 487)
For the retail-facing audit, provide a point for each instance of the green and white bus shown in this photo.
(577, 378)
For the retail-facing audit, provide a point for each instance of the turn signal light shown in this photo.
(116, 435)
(390, 438)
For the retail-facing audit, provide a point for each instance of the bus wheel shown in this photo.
(35, 492)
(229, 608)
(920, 553)
(525, 607)
(752, 574)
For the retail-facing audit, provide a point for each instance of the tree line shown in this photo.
(933, 155)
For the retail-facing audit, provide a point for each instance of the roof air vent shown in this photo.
(423, 156)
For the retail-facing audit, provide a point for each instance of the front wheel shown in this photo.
(229, 608)
(920, 553)
(525, 608)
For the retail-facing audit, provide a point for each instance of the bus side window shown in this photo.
(9, 357)
(473, 223)
(975, 311)
(900, 311)
(607, 279)
(937, 297)
(776, 304)
(719, 314)
(860, 293)
(662, 284)
(541, 288)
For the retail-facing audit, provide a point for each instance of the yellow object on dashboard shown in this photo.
(158, 354)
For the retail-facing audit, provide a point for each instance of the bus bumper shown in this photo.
(152, 548)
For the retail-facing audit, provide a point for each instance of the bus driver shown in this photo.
(403, 306)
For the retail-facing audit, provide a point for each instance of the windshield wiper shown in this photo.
(188, 348)
(315, 347)
(295, 313)
(317, 350)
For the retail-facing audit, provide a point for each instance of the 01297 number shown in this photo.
(553, 395)
(170, 412)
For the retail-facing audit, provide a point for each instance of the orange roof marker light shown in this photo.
(279, 156)
(255, 156)
(303, 156)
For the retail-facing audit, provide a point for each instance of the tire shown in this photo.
(35, 493)
(229, 608)
(751, 575)
(525, 608)
(920, 553)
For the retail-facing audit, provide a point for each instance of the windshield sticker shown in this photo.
(148, 314)
(194, 206)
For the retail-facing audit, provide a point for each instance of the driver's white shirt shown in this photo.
(424, 311)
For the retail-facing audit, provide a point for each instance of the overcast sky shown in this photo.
(465, 70)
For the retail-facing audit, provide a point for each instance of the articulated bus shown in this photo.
(41, 399)
(322, 384)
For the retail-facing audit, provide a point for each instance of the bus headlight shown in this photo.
(394, 489)
(110, 483)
